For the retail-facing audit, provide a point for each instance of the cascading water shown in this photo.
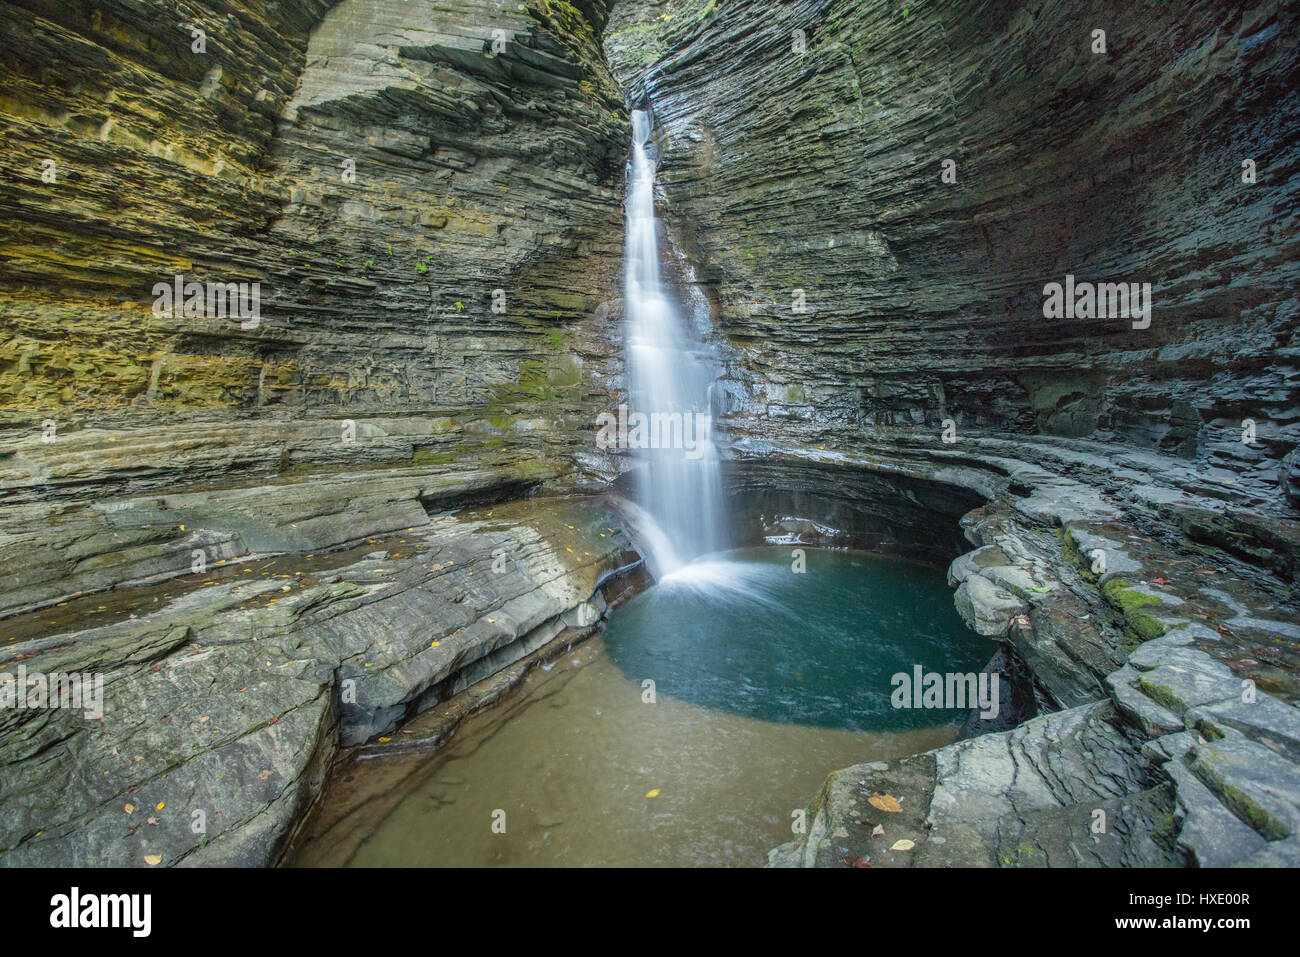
(670, 375)
(767, 675)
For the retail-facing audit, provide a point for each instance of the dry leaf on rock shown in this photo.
(885, 802)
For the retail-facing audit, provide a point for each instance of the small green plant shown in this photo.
(460, 306)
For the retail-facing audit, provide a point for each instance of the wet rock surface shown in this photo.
(232, 700)
(821, 171)
(1172, 666)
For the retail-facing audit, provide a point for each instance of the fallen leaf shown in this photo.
(902, 845)
(652, 794)
(878, 830)
(161, 805)
(885, 802)
(129, 809)
(153, 859)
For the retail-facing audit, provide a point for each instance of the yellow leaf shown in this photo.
(902, 845)
(153, 859)
(652, 794)
(885, 802)
(160, 805)
(384, 740)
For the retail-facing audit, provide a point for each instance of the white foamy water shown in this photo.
(670, 373)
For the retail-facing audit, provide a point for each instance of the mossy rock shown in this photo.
(1139, 626)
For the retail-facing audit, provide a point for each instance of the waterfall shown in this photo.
(670, 378)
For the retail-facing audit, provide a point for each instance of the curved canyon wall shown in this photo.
(376, 165)
(804, 147)
(429, 199)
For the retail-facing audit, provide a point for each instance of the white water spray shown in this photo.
(669, 379)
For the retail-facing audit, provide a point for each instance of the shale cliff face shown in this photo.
(429, 199)
(378, 166)
(805, 146)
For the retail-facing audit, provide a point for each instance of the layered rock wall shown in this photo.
(823, 171)
(428, 197)
(379, 167)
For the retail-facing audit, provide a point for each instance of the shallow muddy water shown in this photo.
(765, 681)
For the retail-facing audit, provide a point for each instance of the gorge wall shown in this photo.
(434, 222)
(381, 168)
(374, 164)
(822, 171)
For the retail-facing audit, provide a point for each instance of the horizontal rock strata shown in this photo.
(232, 699)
